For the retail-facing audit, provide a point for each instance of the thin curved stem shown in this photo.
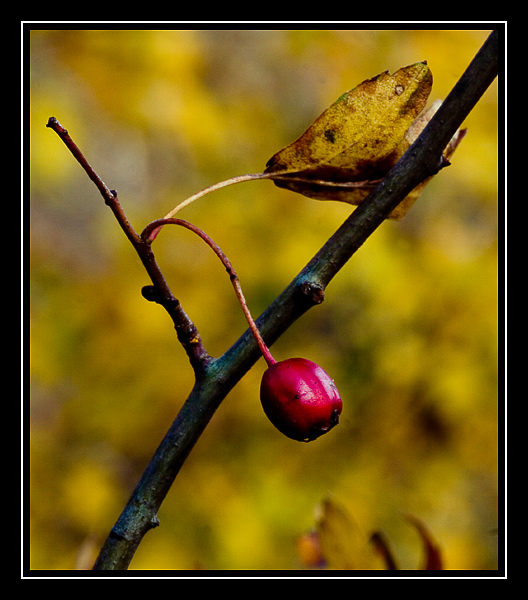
(276, 175)
(156, 225)
(214, 187)
(153, 232)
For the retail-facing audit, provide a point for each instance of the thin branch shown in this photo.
(110, 196)
(159, 292)
(220, 375)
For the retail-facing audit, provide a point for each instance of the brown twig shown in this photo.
(159, 292)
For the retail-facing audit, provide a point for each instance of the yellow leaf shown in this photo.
(356, 141)
(362, 127)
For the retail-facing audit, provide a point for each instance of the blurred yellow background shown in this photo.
(408, 329)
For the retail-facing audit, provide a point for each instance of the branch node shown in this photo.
(313, 292)
(150, 293)
(444, 162)
(54, 123)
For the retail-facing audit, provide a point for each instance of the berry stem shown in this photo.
(155, 226)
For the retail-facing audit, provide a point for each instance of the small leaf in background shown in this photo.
(338, 543)
(432, 555)
(381, 544)
(342, 543)
(358, 139)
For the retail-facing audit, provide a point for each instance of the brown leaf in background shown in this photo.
(432, 555)
(381, 545)
(338, 543)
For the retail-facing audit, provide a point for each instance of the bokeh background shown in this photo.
(408, 329)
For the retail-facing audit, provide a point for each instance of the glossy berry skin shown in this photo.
(300, 399)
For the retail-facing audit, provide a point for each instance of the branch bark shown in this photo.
(216, 377)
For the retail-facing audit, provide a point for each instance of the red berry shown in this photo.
(300, 399)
